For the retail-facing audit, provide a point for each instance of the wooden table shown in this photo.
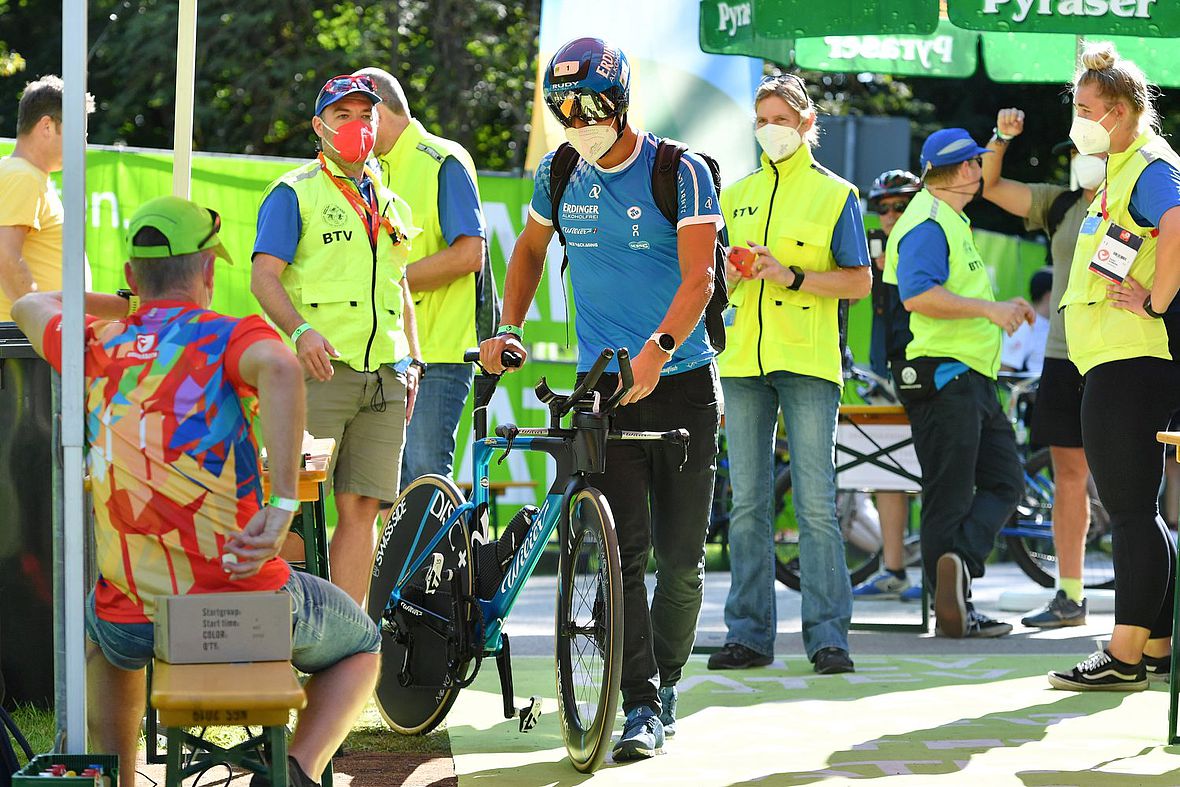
(317, 455)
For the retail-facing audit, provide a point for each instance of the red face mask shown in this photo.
(353, 141)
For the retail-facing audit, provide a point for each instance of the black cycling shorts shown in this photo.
(1057, 418)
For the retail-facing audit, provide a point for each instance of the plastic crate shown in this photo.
(29, 776)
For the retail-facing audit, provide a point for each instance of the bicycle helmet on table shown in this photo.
(588, 79)
(893, 183)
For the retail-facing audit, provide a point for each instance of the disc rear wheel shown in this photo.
(421, 633)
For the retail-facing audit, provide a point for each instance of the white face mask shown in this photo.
(1088, 171)
(592, 142)
(1090, 136)
(778, 142)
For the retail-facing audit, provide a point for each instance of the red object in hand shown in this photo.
(743, 259)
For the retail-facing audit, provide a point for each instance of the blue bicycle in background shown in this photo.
(441, 591)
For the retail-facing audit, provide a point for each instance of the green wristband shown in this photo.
(289, 504)
(302, 329)
(515, 330)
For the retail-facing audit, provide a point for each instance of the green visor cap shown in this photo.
(171, 227)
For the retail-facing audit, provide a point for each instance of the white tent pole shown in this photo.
(186, 54)
(70, 592)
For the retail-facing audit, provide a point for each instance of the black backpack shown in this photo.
(663, 187)
(1058, 208)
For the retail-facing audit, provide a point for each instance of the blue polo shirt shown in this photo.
(624, 265)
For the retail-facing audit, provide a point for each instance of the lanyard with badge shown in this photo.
(366, 210)
(1116, 251)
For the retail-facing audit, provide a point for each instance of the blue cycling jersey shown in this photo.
(623, 262)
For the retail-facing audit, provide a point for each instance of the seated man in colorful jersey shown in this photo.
(171, 392)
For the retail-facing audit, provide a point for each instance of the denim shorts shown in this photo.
(328, 627)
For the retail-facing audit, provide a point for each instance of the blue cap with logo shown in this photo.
(344, 86)
(949, 146)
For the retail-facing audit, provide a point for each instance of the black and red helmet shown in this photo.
(893, 183)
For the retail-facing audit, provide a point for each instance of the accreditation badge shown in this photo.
(1112, 261)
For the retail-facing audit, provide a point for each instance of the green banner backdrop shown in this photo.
(119, 180)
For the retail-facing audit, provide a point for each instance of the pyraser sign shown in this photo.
(951, 52)
(1079, 17)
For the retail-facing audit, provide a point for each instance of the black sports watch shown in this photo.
(1147, 308)
(664, 341)
(795, 285)
(421, 367)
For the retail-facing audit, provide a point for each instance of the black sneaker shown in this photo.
(295, 776)
(950, 596)
(1101, 672)
(981, 626)
(1061, 611)
(1158, 668)
(832, 661)
(735, 656)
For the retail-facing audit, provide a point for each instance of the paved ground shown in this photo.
(531, 623)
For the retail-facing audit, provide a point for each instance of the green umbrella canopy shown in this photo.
(1023, 40)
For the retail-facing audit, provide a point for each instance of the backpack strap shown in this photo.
(664, 174)
(1059, 207)
(561, 167)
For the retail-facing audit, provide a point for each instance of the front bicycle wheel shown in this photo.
(425, 637)
(589, 630)
(861, 562)
(1029, 534)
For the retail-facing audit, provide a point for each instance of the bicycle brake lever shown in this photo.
(509, 433)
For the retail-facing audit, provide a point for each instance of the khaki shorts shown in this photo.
(368, 424)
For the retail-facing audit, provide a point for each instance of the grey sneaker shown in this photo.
(1061, 611)
(668, 696)
(1101, 672)
(950, 596)
(643, 736)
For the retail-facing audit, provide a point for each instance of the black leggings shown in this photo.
(1125, 403)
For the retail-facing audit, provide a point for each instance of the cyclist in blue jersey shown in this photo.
(641, 283)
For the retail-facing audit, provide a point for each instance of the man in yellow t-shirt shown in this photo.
(31, 213)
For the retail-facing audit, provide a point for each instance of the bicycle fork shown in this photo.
(529, 714)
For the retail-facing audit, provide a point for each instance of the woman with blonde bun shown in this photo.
(1122, 325)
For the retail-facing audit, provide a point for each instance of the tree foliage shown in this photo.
(467, 67)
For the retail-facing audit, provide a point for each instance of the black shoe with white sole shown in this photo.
(1101, 672)
(950, 596)
(981, 626)
(1158, 668)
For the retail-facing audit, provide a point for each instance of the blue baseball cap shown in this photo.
(344, 86)
(949, 146)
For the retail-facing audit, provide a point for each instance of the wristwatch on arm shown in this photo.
(798, 282)
(1147, 308)
(665, 341)
(421, 367)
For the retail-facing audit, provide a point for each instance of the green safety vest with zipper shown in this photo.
(348, 289)
(975, 341)
(1095, 331)
(445, 316)
(791, 208)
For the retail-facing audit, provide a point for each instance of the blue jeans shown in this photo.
(326, 627)
(430, 435)
(809, 407)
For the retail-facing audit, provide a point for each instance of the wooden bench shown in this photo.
(260, 693)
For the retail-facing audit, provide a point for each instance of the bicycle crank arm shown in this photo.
(530, 714)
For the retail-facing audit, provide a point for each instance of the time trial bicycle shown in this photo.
(441, 591)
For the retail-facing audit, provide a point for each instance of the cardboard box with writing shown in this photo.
(209, 628)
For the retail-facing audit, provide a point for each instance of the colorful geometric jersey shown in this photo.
(172, 458)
